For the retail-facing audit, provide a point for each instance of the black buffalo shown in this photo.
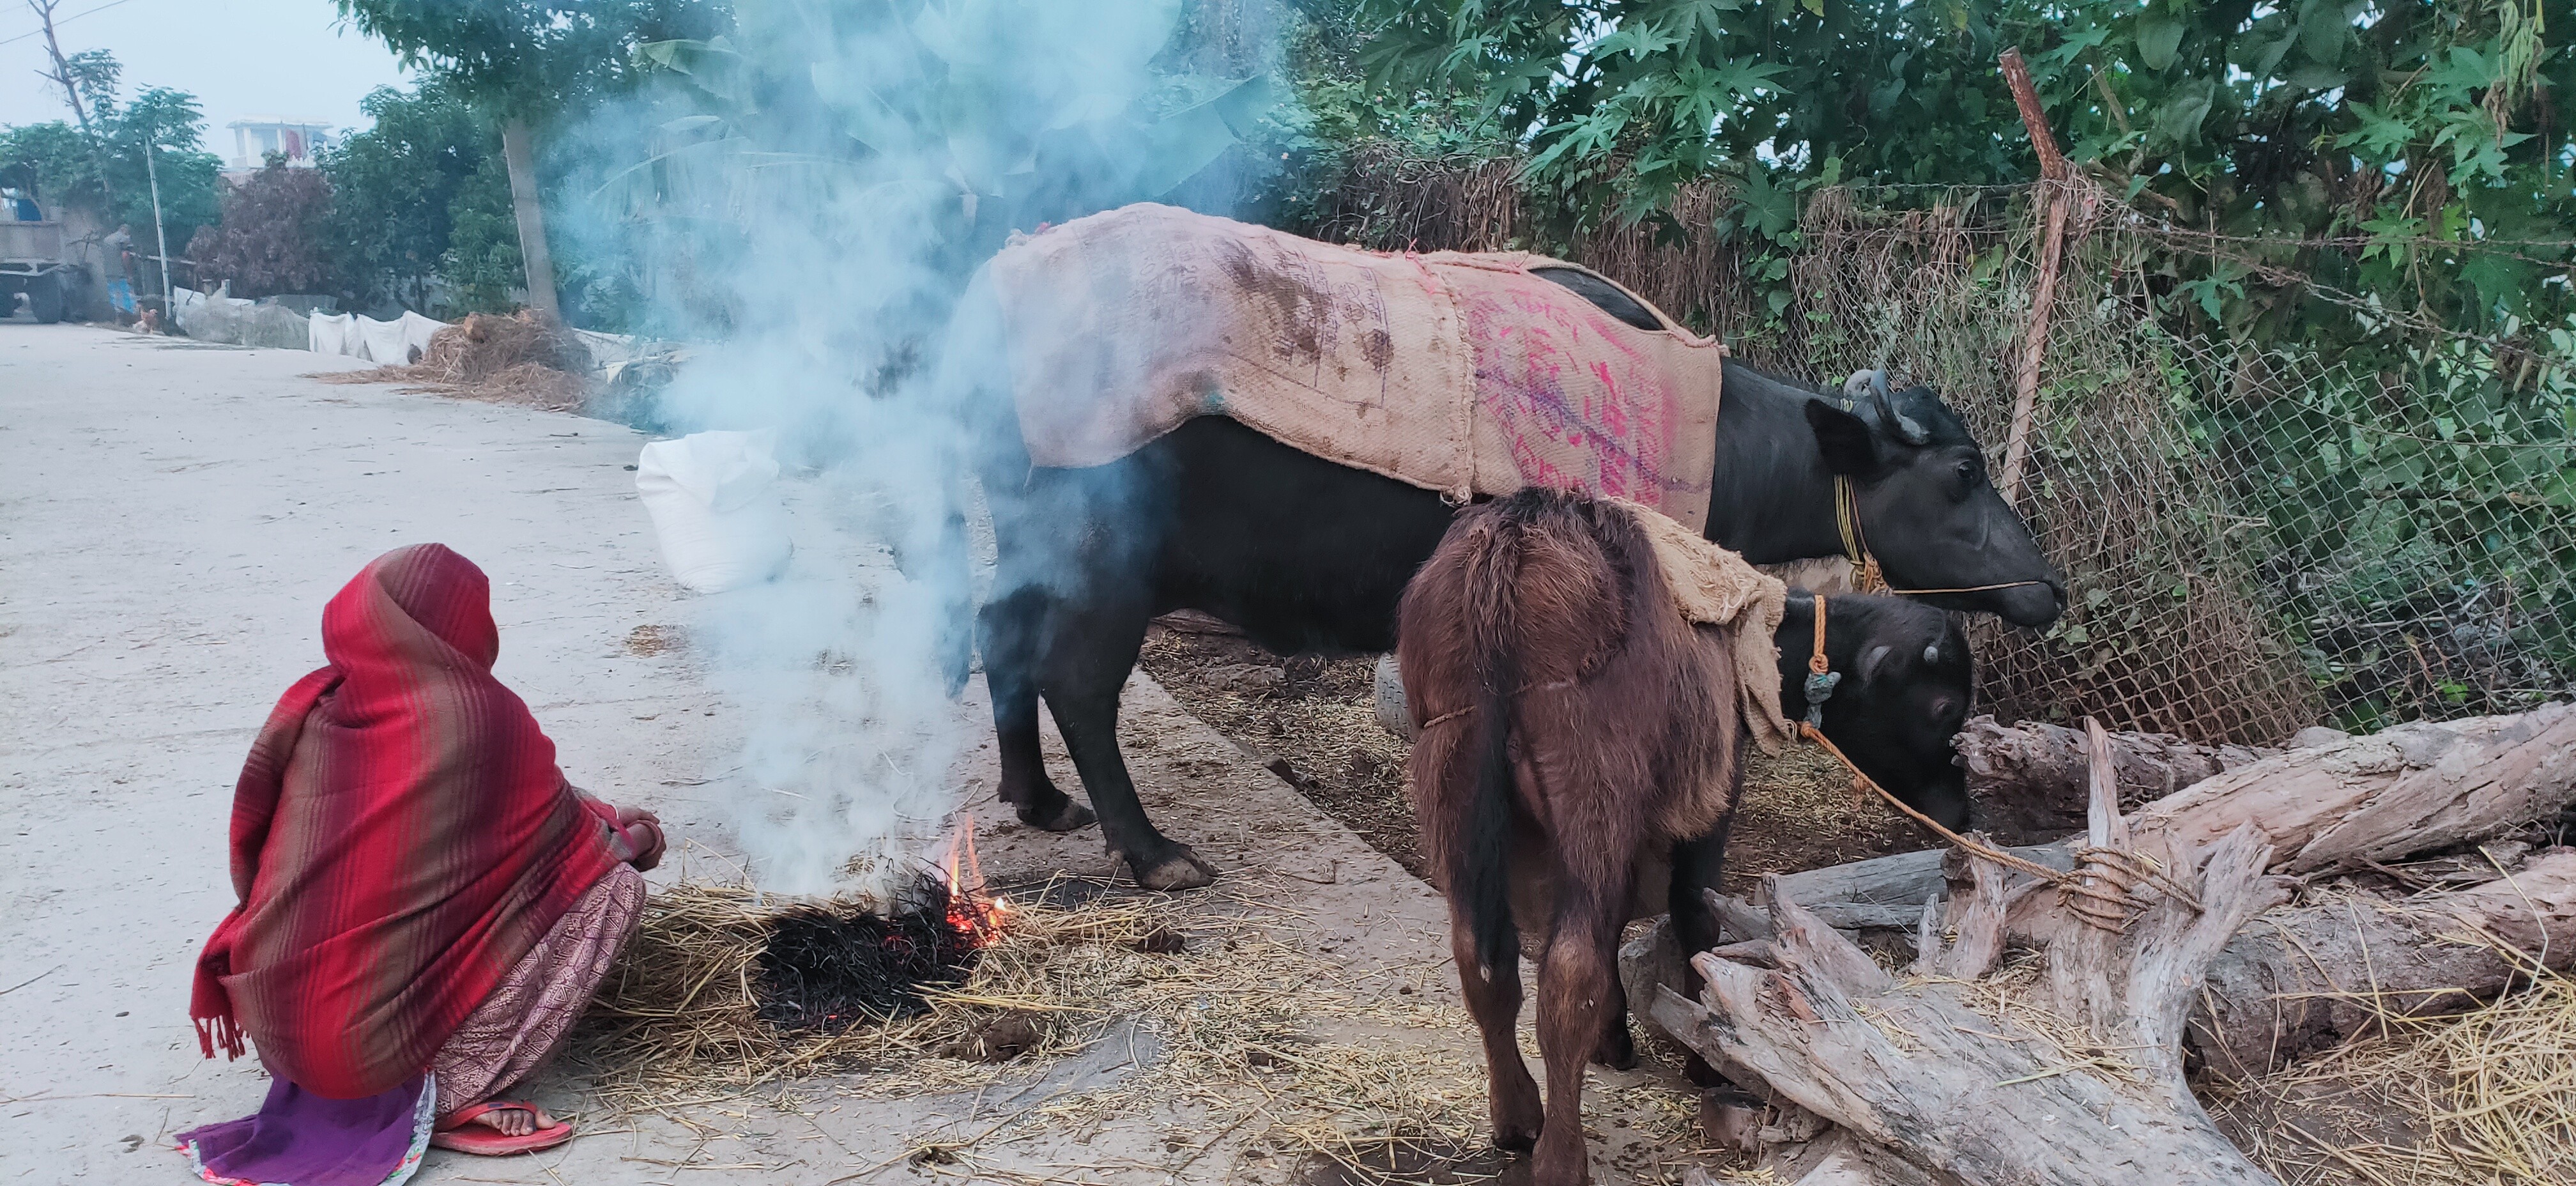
(1310, 557)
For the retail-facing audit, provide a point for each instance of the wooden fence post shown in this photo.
(2053, 195)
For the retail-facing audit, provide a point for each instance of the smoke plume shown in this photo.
(808, 196)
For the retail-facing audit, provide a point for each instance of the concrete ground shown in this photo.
(172, 518)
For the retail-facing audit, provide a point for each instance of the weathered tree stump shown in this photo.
(2067, 1069)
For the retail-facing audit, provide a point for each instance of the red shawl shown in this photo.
(400, 838)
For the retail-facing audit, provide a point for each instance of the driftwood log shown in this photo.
(2341, 804)
(2303, 978)
(2414, 788)
(2069, 1071)
(2344, 803)
(2031, 780)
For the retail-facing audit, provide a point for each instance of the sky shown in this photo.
(241, 58)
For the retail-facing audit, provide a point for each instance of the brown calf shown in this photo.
(1572, 726)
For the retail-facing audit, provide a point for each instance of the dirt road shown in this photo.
(172, 518)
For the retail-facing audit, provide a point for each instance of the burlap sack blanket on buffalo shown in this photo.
(1453, 372)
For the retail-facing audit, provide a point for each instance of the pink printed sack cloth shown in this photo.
(1456, 372)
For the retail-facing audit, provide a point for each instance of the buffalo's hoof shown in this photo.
(1514, 1138)
(1064, 817)
(1180, 871)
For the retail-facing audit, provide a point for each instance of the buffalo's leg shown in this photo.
(1088, 650)
(1574, 987)
(1011, 625)
(1495, 1003)
(1697, 865)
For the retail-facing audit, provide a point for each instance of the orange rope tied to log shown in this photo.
(2105, 887)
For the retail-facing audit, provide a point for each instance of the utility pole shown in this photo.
(161, 235)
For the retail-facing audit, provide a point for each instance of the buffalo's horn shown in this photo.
(1857, 385)
(1907, 428)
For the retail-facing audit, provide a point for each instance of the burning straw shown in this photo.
(1247, 1033)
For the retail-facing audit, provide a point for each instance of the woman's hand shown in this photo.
(639, 834)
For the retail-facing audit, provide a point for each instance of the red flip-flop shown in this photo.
(486, 1141)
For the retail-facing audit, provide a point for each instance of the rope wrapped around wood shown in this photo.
(2104, 889)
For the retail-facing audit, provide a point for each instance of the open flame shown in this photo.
(970, 910)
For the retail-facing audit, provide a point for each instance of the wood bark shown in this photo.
(2079, 1080)
(2310, 976)
(2029, 779)
(2053, 172)
(519, 156)
(2307, 977)
(2406, 790)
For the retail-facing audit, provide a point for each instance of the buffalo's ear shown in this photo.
(1844, 438)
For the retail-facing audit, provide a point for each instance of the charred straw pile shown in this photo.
(1215, 998)
(827, 967)
(520, 358)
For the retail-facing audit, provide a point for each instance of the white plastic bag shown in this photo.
(714, 507)
(1391, 715)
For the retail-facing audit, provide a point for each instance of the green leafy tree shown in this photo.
(111, 176)
(50, 160)
(481, 260)
(532, 62)
(2407, 134)
(189, 177)
(398, 189)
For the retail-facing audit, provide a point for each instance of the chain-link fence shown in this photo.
(2254, 540)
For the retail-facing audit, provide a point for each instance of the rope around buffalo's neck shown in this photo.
(2103, 887)
(1867, 577)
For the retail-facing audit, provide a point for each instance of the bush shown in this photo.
(271, 239)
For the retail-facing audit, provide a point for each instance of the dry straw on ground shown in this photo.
(521, 359)
(2486, 1098)
(1245, 1032)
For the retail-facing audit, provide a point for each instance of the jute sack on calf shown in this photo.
(1462, 373)
(1715, 589)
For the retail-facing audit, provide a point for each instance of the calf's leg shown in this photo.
(1575, 983)
(1697, 864)
(1496, 1006)
(1618, 1048)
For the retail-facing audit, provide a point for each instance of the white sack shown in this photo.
(607, 350)
(714, 508)
(382, 342)
(331, 333)
(416, 331)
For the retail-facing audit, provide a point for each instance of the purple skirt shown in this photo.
(302, 1139)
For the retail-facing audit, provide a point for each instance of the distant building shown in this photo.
(300, 140)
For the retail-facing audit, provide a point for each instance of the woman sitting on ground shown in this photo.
(425, 903)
